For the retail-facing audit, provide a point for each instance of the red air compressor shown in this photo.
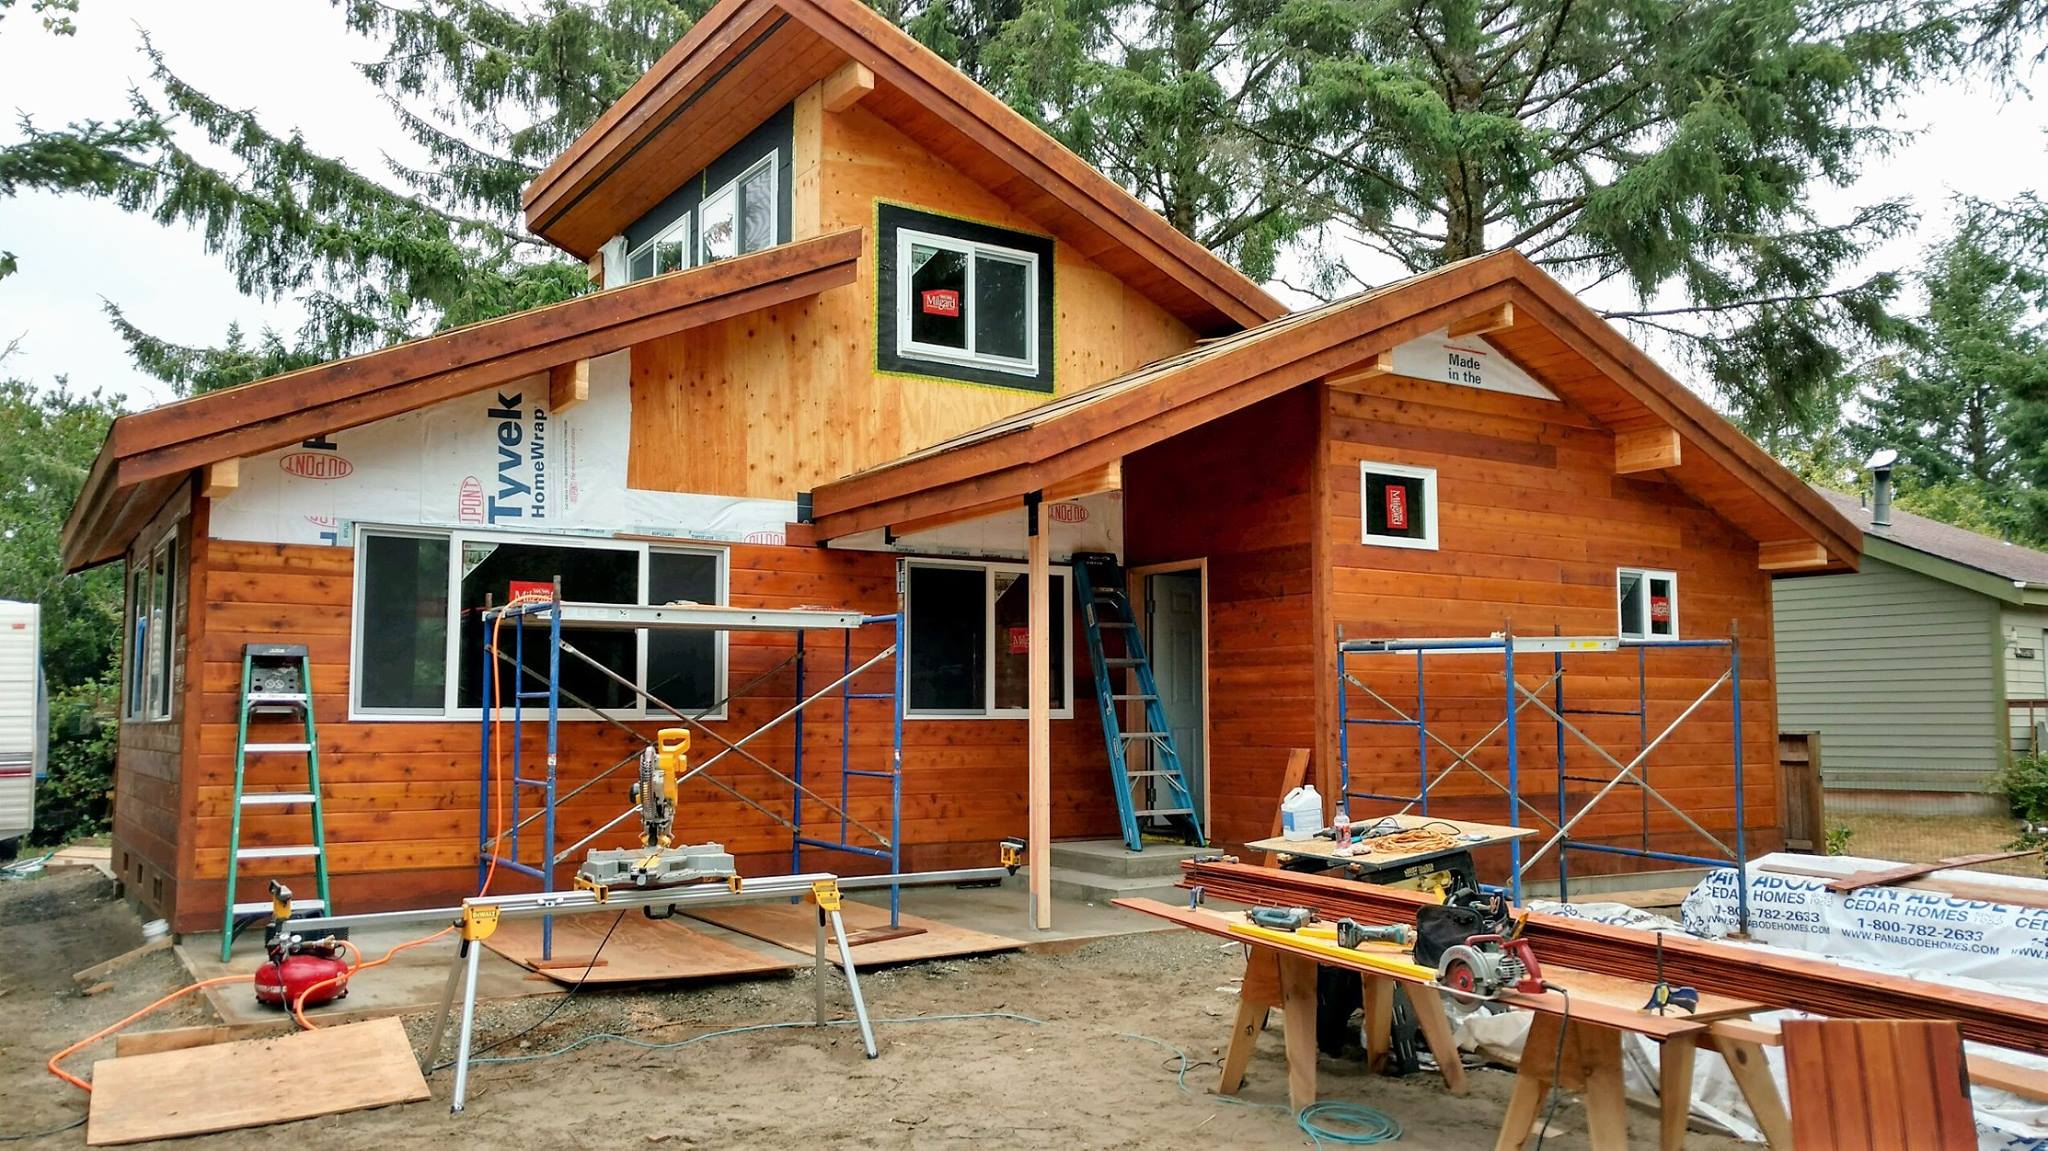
(294, 963)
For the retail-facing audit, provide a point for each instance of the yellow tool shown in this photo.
(478, 922)
(825, 893)
(1356, 956)
(658, 862)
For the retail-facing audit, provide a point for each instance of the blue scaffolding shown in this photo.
(527, 787)
(1519, 696)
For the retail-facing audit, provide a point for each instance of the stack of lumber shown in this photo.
(1771, 978)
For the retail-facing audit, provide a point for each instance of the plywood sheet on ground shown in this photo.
(253, 1083)
(640, 950)
(795, 926)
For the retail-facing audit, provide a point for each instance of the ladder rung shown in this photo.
(1151, 774)
(278, 748)
(260, 698)
(1122, 661)
(267, 798)
(1113, 623)
(1166, 811)
(299, 852)
(1142, 695)
(264, 905)
(1142, 734)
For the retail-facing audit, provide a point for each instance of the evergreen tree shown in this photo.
(490, 92)
(1965, 402)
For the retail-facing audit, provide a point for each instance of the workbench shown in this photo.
(1590, 1018)
(1391, 868)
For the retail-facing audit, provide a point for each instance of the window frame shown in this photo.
(989, 570)
(974, 250)
(449, 711)
(1432, 528)
(685, 224)
(151, 651)
(1646, 575)
(771, 162)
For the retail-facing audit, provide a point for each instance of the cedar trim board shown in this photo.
(656, 102)
(795, 927)
(638, 950)
(252, 1083)
(165, 442)
(1013, 456)
(1775, 979)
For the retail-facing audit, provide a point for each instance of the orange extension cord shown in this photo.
(298, 1005)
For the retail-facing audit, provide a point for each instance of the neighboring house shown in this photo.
(870, 340)
(1916, 669)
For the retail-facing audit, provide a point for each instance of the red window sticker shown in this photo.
(1020, 641)
(1660, 608)
(538, 587)
(940, 302)
(1397, 507)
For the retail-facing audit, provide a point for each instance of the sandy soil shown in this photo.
(1080, 1078)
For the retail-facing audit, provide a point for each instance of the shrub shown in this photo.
(84, 730)
(1838, 839)
(2024, 785)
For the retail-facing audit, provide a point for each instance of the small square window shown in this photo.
(1647, 602)
(962, 300)
(1398, 505)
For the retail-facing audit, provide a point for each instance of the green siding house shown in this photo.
(1916, 671)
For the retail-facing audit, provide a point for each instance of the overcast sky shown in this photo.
(292, 60)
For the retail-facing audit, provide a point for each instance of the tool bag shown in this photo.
(1442, 926)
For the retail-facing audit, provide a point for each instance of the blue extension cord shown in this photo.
(1362, 1125)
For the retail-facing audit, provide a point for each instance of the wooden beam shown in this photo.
(848, 86)
(1491, 320)
(1038, 724)
(1107, 478)
(932, 523)
(222, 478)
(1790, 555)
(594, 270)
(1646, 450)
(568, 385)
(2026, 1082)
(1381, 364)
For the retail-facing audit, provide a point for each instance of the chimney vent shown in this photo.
(1880, 465)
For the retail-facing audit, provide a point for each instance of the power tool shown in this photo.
(1351, 933)
(658, 862)
(1281, 918)
(294, 964)
(1484, 966)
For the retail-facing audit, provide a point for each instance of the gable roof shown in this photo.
(146, 455)
(746, 58)
(1576, 353)
(2022, 568)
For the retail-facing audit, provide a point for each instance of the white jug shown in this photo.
(1301, 813)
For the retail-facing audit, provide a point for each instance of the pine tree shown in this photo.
(490, 92)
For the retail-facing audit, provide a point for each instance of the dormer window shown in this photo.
(668, 251)
(740, 217)
(960, 300)
(738, 203)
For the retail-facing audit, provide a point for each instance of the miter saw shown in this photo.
(658, 862)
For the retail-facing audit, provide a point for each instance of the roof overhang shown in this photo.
(148, 454)
(2018, 593)
(746, 58)
(1078, 434)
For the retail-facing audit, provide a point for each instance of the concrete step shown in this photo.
(1084, 860)
(1089, 888)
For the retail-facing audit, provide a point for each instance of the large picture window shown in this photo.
(419, 641)
(963, 300)
(969, 638)
(152, 625)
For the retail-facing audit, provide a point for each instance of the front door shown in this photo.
(1173, 604)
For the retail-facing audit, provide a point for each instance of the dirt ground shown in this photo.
(1082, 1077)
(1927, 838)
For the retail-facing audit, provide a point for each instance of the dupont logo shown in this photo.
(469, 501)
(315, 466)
(1068, 514)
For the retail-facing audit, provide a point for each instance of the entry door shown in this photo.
(1174, 608)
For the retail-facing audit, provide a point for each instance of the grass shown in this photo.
(1927, 838)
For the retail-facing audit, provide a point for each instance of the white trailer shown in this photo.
(24, 722)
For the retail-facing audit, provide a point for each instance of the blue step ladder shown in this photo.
(1156, 792)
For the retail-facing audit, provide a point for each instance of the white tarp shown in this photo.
(1468, 362)
(2005, 1122)
(496, 459)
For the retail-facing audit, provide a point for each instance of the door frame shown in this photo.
(1134, 591)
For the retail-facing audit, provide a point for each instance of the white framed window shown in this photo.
(967, 634)
(740, 217)
(670, 250)
(152, 626)
(1647, 601)
(1398, 505)
(418, 646)
(965, 302)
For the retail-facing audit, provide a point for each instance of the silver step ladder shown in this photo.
(277, 682)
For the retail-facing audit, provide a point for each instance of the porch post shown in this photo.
(1039, 724)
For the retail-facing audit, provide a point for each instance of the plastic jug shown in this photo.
(1301, 813)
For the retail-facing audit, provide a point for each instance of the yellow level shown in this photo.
(1346, 955)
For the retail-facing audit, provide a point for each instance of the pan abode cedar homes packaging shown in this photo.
(879, 288)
